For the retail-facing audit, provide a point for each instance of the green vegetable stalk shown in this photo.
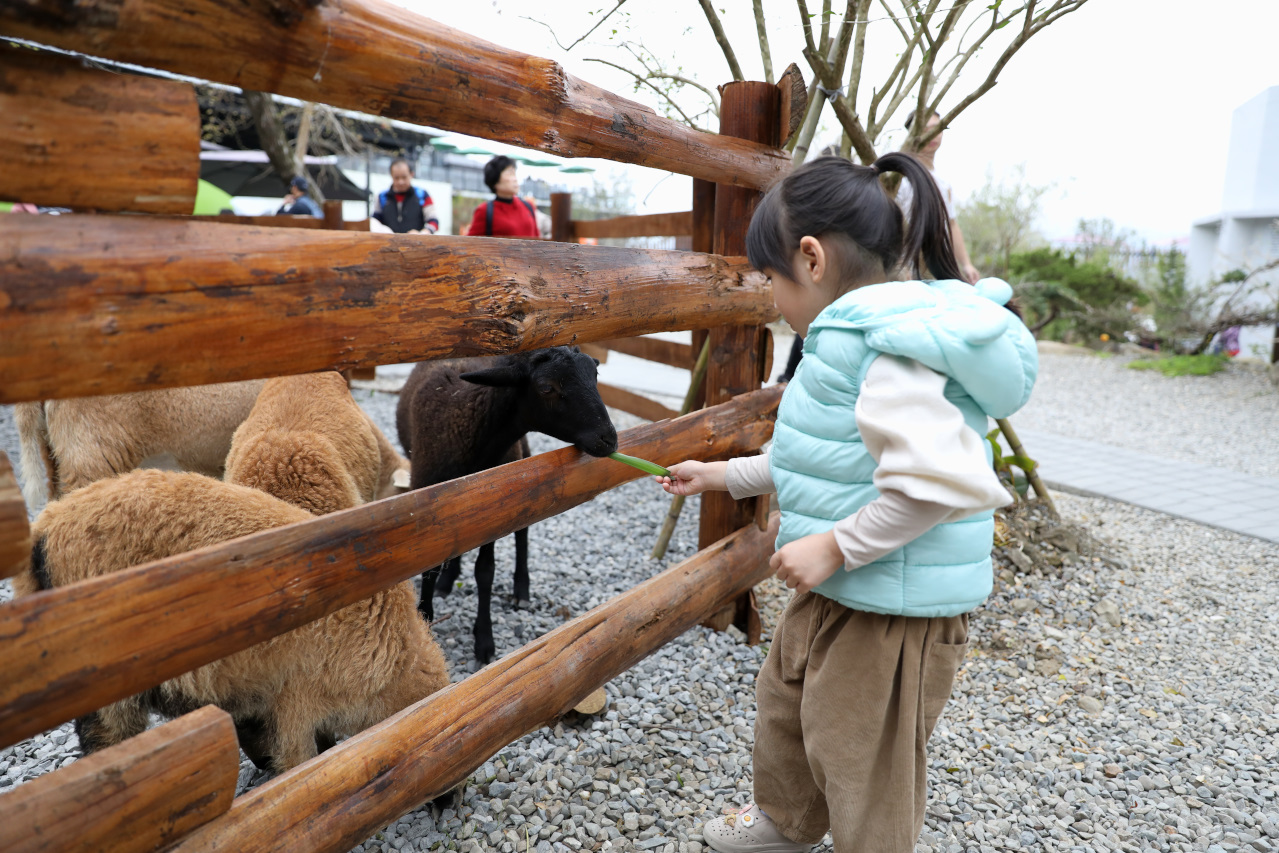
(642, 464)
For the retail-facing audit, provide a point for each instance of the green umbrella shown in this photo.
(532, 161)
(573, 170)
(210, 200)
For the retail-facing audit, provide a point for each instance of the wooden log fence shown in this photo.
(337, 800)
(97, 305)
(374, 57)
(78, 647)
(110, 304)
(138, 795)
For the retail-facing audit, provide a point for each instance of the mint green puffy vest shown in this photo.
(823, 471)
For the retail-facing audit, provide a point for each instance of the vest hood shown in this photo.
(957, 329)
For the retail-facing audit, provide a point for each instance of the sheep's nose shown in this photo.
(606, 443)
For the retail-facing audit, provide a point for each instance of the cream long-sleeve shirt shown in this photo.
(930, 466)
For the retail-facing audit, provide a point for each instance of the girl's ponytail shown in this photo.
(928, 232)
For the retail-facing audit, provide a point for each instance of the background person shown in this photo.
(404, 208)
(507, 215)
(297, 202)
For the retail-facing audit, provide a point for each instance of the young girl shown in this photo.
(886, 491)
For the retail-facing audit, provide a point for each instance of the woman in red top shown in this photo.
(507, 215)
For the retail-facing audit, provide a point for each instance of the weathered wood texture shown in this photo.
(750, 110)
(136, 796)
(88, 139)
(371, 56)
(99, 304)
(15, 531)
(653, 349)
(339, 799)
(636, 404)
(794, 101)
(70, 650)
(281, 221)
(648, 225)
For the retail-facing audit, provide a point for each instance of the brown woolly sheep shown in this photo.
(67, 444)
(332, 677)
(308, 443)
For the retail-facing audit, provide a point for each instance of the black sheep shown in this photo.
(460, 416)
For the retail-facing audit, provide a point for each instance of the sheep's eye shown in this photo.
(546, 389)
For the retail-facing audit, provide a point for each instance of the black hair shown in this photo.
(403, 160)
(494, 168)
(910, 119)
(833, 197)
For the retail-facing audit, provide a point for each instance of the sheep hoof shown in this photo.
(592, 704)
(523, 604)
(448, 800)
(484, 650)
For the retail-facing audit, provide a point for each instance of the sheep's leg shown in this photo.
(426, 604)
(451, 571)
(484, 567)
(253, 736)
(113, 724)
(522, 598)
(324, 741)
(293, 723)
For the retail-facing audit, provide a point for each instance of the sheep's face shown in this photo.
(558, 396)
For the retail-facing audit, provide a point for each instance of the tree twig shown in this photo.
(762, 30)
(585, 36)
(718, 29)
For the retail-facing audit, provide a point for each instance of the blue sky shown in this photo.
(1124, 106)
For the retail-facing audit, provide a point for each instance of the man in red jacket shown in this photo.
(506, 215)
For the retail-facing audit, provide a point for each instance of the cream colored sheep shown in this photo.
(333, 677)
(308, 443)
(66, 444)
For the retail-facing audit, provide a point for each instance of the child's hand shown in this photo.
(805, 563)
(693, 478)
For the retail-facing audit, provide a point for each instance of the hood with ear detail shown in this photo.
(952, 327)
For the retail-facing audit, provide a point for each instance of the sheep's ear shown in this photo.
(597, 361)
(496, 377)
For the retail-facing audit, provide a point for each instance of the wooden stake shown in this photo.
(1014, 444)
(677, 504)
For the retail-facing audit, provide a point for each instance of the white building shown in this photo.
(1245, 234)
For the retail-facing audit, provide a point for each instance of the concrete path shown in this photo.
(1215, 496)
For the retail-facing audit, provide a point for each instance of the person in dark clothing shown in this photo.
(297, 202)
(506, 215)
(792, 361)
(404, 208)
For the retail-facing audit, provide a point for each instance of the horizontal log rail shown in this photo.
(102, 304)
(341, 797)
(636, 404)
(15, 531)
(653, 349)
(74, 649)
(138, 795)
(276, 221)
(648, 225)
(371, 56)
(86, 138)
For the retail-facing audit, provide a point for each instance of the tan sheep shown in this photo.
(308, 443)
(332, 677)
(67, 444)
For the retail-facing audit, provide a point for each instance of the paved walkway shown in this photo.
(1216, 496)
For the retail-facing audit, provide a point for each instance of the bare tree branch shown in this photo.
(806, 24)
(586, 35)
(762, 30)
(718, 29)
(643, 80)
(825, 21)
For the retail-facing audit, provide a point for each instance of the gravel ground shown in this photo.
(1102, 708)
(1226, 420)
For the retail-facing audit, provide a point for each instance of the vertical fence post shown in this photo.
(562, 217)
(748, 110)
